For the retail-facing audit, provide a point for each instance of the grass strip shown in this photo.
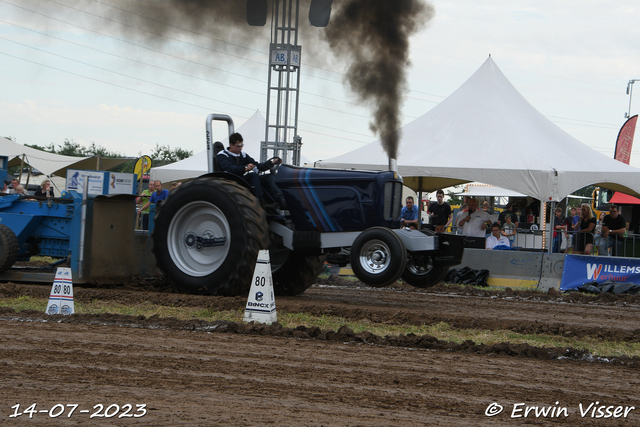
(442, 330)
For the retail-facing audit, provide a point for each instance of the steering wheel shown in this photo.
(275, 168)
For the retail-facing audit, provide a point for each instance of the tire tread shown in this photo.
(254, 238)
(9, 248)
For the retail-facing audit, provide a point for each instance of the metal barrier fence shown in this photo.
(627, 245)
(531, 239)
(567, 242)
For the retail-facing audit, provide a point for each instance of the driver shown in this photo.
(237, 162)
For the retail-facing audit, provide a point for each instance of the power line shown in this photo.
(590, 124)
(135, 44)
(172, 56)
(123, 75)
(162, 68)
(175, 100)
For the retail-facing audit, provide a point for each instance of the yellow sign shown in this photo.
(143, 165)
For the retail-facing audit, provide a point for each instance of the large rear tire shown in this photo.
(207, 236)
(421, 272)
(378, 257)
(296, 274)
(9, 248)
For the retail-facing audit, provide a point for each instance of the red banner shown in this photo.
(625, 140)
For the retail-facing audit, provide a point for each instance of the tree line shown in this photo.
(161, 154)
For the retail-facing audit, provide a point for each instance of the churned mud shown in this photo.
(222, 373)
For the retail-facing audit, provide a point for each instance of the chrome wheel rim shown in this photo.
(375, 257)
(198, 239)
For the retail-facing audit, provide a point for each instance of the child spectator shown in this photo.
(509, 230)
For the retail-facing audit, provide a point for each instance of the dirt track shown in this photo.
(196, 373)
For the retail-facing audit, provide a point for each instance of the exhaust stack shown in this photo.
(393, 165)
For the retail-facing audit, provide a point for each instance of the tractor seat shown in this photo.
(217, 147)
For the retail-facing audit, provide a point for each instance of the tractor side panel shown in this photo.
(335, 200)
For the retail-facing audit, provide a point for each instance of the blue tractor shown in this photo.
(40, 226)
(208, 232)
(94, 235)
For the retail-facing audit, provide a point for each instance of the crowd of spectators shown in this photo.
(579, 232)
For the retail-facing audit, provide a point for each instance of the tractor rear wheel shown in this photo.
(421, 271)
(296, 274)
(9, 248)
(207, 236)
(378, 257)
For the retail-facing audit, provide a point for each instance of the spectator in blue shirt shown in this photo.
(158, 196)
(409, 214)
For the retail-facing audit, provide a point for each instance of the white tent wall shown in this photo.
(47, 163)
(464, 138)
(53, 164)
(252, 132)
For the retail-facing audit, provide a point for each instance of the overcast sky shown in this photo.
(69, 74)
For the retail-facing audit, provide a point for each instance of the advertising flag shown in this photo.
(625, 140)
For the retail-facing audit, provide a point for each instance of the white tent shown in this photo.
(487, 131)
(252, 132)
(484, 190)
(50, 163)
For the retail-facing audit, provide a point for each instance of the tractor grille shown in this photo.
(392, 200)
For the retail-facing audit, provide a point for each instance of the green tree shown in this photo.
(163, 155)
(48, 148)
(71, 148)
(583, 192)
(453, 199)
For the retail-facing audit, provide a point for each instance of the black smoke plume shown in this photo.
(374, 36)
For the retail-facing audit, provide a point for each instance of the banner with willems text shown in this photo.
(581, 269)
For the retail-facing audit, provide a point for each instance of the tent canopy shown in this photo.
(487, 131)
(480, 190)
(252, 132)
(53, 164)
(624, 199)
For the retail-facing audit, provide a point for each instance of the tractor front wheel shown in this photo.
(378, 257)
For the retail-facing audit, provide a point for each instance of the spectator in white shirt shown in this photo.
(475, 222)
(496, 238)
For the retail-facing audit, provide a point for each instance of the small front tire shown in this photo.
(378, 257)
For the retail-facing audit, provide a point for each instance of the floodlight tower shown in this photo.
(281, 133)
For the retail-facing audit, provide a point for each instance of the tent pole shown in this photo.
(541, 221)
(29, 176)
(21, 166)
(552, 214)
(420, 197)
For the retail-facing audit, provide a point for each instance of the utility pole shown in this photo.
(630, 93)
